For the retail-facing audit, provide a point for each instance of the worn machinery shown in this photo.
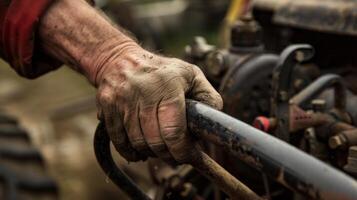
(23, 174)
(290, 71)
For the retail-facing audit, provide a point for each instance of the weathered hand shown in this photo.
(141, 97)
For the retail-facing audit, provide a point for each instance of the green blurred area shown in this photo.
(168, 26)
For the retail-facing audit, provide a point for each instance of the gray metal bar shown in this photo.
(278, 159)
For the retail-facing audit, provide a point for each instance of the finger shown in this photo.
(172, 122)
(113, 123)
(203, 91)
(134, 129)
(100, 115)
(150, 127)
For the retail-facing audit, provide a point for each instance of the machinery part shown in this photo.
(203, 163)
(318, 86)
(199, 48)
(216, 64)
(303, 173)
(345, 139)
(247, 80)
(318, 105)
(351, 166)
(298, 119)
(283, 86)
(246, 35)
(22, 170)
(236, 9)
(265, 124)
(224, 180)
(329, 16)
(174, 182)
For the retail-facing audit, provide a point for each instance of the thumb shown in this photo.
(201, 90)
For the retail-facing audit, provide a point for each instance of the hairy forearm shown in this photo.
(78, 35)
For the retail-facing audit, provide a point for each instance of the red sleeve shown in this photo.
(18, 23)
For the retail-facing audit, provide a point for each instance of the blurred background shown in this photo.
(58, 109)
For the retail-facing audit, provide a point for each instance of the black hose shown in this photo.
(105, 160)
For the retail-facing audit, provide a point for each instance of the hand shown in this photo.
(141, 97)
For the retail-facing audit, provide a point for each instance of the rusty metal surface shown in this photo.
(270, 5)
(319, 15)
(224, 180)
(303, 173)
(248, 79)
(300, 119)
(282, 86)
(318, 86)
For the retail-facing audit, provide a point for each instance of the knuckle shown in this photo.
(178, 61)
(213, 99)
(218, 101)
(197, 70)
(173, 133)
(131, 156)
(196, 73)
(158, 147)
(105, 96)
(139, 145)
(128, 152)
(100, 114)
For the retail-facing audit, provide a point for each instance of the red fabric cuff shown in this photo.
(18, 35)
(19, 20)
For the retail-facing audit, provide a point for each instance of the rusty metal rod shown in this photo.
(279, 160)
(223, 179)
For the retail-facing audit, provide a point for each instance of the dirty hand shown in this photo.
(141, 97)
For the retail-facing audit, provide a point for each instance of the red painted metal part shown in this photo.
(262, 123)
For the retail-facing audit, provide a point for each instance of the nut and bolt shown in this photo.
(216, 63)
(335, 142)
(318, 105)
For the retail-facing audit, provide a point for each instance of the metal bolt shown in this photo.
(318, 105)
(299, 56)
(246, 32)
(352, 151)
(335, 142)
(198, 48)
(215, 63)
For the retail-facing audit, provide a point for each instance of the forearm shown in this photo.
(78, 35)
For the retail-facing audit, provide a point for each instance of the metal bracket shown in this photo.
(282, 85)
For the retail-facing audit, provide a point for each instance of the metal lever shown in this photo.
(286, 164)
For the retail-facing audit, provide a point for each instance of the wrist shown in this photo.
(110, 53)
(78, 35)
